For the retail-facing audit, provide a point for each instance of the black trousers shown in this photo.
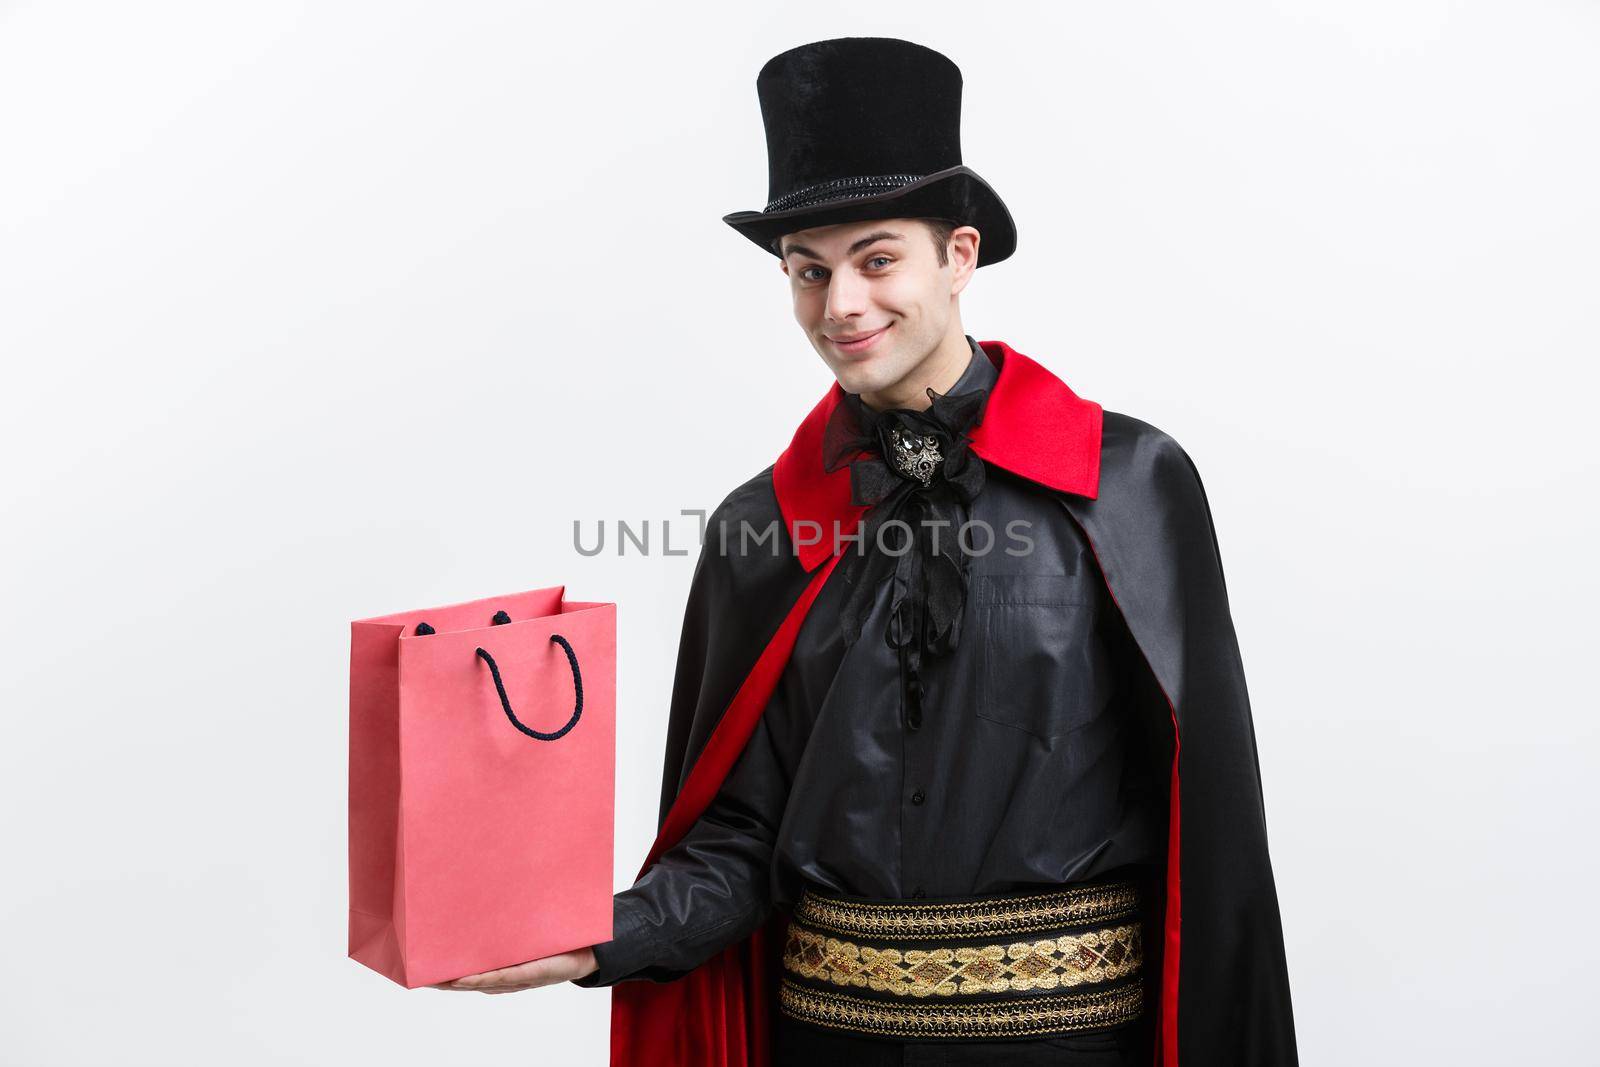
(797, 1044)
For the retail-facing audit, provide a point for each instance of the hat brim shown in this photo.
(957, 193)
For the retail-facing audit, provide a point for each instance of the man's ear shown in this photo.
(964, 243)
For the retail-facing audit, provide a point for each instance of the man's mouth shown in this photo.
(859, 342)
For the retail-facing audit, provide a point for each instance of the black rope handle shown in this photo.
(500, 618)
(577, 689)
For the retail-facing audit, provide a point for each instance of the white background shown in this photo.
(312, 312)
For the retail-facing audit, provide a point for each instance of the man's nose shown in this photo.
(847, 296)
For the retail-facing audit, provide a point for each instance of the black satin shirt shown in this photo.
(1021, 771)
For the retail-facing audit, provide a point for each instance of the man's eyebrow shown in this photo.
(881, 235)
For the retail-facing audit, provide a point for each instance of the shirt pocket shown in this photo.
(1043, 668)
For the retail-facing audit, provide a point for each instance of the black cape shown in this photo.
(1218, 977)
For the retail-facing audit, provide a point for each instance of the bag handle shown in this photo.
(501, 618)
(423, 629)
(577, 689)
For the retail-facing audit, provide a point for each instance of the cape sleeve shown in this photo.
(710, 889)
(747, 600)
(1223, 982)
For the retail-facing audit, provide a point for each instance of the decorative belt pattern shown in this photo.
(1059, 1013)
(966, 969)
(1069, 960)
(992, 916)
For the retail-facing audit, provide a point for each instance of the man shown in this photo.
(960, 765)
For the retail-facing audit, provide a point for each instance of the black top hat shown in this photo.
(868, 128)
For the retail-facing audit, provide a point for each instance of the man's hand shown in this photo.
(530, 975)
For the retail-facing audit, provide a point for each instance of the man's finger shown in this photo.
(505, 980)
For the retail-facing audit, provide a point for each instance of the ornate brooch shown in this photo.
(913, 455)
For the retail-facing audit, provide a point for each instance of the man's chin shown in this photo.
(861, 376)
(851, 380)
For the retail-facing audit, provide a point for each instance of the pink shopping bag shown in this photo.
(482, 763)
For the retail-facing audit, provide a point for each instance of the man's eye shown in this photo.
(875, 259)
(807, 271)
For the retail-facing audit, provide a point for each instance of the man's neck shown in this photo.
(940, 372)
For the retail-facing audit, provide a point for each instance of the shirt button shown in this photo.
(914, 719)
(918, 893)
(917, 797)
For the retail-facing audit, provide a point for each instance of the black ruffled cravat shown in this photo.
(917, 467)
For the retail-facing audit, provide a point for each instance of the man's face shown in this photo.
(873, 298)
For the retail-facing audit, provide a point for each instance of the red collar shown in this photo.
(1033, 426)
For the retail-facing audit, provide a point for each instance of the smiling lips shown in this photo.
(860, 343)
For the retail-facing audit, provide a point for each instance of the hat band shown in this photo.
(829, 191)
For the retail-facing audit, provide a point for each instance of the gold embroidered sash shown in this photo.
(1029, 964)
